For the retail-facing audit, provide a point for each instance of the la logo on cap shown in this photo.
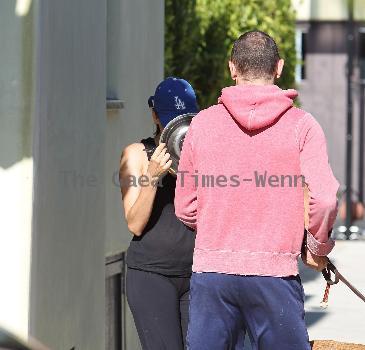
(179, 104)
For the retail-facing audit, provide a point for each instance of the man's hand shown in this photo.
(315, 262)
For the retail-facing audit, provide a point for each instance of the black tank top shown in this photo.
(166, 244)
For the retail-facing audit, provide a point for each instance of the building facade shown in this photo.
(74, 81)
(321, 75)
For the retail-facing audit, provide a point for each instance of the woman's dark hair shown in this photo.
(157, 130)
(157, 127)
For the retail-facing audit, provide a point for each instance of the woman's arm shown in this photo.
(138, 188)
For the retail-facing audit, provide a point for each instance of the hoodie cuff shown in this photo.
(319, 248)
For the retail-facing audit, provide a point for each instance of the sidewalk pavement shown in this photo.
(344, 319)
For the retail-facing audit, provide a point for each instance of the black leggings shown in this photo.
(160, 308)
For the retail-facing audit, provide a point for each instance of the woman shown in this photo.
(159, 257)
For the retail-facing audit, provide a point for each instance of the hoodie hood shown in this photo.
(256, 106)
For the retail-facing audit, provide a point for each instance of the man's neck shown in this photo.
(242, 81)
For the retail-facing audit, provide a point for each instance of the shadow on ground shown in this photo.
(307, 274)
(312, 317)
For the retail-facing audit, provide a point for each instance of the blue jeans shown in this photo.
(223, 308)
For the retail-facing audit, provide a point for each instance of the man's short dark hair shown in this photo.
(255, 55)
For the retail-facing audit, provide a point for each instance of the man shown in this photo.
(240, 188)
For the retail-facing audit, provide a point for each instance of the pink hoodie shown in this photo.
(241, 187)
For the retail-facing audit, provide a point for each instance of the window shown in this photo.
(113, 55)
(115, 304)
(361, 51)
(301, 50)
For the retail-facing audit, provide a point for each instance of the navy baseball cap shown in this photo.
(173, 97)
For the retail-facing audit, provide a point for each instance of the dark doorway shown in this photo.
(115, 304)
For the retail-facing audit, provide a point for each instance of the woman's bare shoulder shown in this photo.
(134, 154)
(133, 149)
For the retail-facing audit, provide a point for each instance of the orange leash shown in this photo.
(324, 302)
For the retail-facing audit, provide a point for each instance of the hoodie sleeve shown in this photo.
(321, 183)
(186, 191)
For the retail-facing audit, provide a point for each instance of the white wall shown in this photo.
(135, 57)
(135, 67)
(57, 228)
(16, 164)
(67, 271)
(15, 236)
(327, 10)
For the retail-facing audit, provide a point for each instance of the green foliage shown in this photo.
(199, 35)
